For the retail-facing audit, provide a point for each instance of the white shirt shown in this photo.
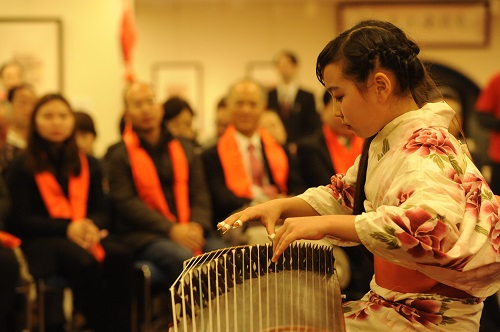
(243, 144)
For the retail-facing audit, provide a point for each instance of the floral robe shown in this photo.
(428, 208)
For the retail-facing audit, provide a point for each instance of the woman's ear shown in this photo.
(383, 85)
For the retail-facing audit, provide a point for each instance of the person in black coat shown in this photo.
(53, 173)
(295, 105)
(151, 233)
(9, 267)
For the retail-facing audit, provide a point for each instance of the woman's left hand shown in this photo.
(299, 228)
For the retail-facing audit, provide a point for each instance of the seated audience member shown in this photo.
(85, 132)
(9, 280)
(9, 267)
(271, 122)
(222, 118)
(221, 122)
(330, 150)
(247, 165)
(178, 118)
(22, 99)
(59, 214)
(11, 75)
(158, 189)
(5, 151)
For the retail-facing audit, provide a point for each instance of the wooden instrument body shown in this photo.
(240, 289)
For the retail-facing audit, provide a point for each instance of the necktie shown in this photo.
(255, 166)
(285, 106)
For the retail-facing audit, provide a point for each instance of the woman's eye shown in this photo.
(338, 99)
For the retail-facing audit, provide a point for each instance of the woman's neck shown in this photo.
(401, 106)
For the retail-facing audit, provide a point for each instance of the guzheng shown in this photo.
(240, 289)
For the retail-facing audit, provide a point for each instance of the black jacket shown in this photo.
(136, 223)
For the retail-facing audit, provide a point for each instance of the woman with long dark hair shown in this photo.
(58, 211)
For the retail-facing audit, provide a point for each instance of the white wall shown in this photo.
(93, 68)
(223, 37)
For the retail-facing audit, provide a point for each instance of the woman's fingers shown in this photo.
(282, 240)
(239, 218)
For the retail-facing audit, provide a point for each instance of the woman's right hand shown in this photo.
(85, 233)
(269, 213)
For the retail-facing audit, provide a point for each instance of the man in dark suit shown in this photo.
(295, 105)
(247, 165)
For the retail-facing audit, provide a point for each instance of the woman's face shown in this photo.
(54, 121)
(182, 125)
(358, 111)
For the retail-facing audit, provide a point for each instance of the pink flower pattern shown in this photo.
(427, 141)
(404, 194)
(425, 311)
(422, 234)
(472, 185)
(340, 190)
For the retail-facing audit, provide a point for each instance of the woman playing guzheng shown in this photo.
(413, 198)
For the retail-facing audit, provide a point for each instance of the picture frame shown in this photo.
(263, 72)
(182, 79)
(433, 24)
(36, 44)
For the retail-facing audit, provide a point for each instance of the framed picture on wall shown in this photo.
(181, 79)
(436, 24)
(36, 44)
(263, 72)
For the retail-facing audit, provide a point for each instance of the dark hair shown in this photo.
(84, 123)
(12, 91)
(174, 106)
(373, 44)
(360, 50)
(38, 150)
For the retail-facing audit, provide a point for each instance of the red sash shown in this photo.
(235, 174)
(9, 241)
(74, 208)
(342, 158)
(147, 182)
(404, 280)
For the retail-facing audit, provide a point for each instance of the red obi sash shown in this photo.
(73, 207)
(404, 280)
(236, 177)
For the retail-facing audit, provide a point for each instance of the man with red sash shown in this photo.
(229, 165)
(158, 189)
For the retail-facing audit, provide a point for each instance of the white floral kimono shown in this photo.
(428, 208)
